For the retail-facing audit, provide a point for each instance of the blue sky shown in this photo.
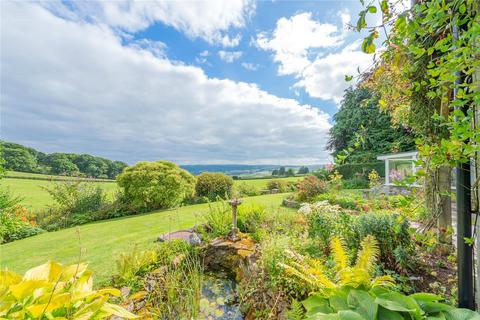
(232, 81)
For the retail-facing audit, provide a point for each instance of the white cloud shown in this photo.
(293, 38)
(69, 86)
(204, 53)
(250, 66)
(229, 56)
(296, 43)
(157, 48)
(210, 20)
(324, 78)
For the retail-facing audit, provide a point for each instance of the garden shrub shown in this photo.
(321, 174)
(16, 223)
(7, 199)
(76, 203)
(213, 185)
(355, 183)
(343, 201)
(390, 230)
(247, 190)
(250, 217)
(156, 185)
(392, 233)
(277, 185)
(274, 256)
(218, 219)
(351, 170)
(54, 291)
(310, 187)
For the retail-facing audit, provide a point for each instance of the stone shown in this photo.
(233, 257)
(189, 236)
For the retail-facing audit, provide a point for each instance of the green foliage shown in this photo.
(321, 174)
(7, 199)
(20, 158)
(132, 264)
(355, 183)
(360, 114)
(345, 202)
(213, 185)
(76, 203)
(156, 185)
(250, 217)
(352, 170)
(310, 187)
(390, 230)
(218, 219)
(303, 170)
(279, 185)
(383, 304)
(16, 223)
(296, 311)
(360, 274)
(54, 291)
(425, 51)
(244, 189)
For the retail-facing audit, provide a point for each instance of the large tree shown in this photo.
(360, 124)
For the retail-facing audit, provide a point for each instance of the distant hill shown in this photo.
(242, 170)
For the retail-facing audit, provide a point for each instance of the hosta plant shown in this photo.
(380, 303)
(54, 291)
(360, 274)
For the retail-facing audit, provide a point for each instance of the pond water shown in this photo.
(219, 300)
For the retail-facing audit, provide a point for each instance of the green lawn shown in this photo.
(99, 243)
(262, 183)
(35, 197)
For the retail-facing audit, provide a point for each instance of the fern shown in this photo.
(368, 254)
(339, 253)
(312, 271)
(296, 311)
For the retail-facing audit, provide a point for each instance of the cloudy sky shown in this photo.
(232, 81)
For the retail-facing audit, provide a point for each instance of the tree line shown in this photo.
(282, 172)
(17, 157)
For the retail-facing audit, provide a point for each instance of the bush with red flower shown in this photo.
(17, 223)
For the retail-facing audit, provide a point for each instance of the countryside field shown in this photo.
(100, 243)
(35, 197)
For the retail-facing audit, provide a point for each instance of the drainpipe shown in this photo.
(464, 219)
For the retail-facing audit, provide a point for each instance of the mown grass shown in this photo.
(35, 197)
(100, 243)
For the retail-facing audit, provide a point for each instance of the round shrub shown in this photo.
(156, 185)
(214, 184)
(278, 185)
(310, 187)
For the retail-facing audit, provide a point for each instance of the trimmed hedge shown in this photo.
(352, 170)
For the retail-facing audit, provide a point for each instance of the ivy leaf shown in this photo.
(384, 6)
(368, 46)
(361, 22)
(462, 8)
(401, 23)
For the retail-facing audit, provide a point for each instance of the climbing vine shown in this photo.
(425, 51)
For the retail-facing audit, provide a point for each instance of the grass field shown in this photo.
(35, 197)
(262, 183)
(99, 243)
